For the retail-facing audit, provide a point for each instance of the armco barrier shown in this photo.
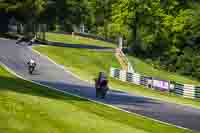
(129, 77)
(123, 75)
(189, 91)
(178, 89)
(197, 92)
(185, 90)
(117, 73)
(136, 78)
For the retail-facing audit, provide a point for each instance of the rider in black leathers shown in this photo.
(31, 66)
(101, 85)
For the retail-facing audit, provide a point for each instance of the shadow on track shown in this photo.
(21, 86)
(113, 97)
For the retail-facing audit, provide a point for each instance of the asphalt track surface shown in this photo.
(47, 73)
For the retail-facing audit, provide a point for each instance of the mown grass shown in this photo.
(65, 38)
(147, 69)
(87, 63)
(30, 108)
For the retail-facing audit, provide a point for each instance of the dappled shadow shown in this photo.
(81, 46)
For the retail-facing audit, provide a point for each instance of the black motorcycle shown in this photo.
(101, 86)
(21, 39)
(30, 43)
(26, 40)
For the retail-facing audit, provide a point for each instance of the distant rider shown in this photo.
(31, 66)
(20, 39)
(32, 41)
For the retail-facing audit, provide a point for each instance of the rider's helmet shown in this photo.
(32, 61)
(102, 77)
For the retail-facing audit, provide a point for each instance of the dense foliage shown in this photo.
(164, 32)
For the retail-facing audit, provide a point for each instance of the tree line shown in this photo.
(165, 33)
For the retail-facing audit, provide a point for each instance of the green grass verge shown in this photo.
(64, 38)
(30, 108)
(87, 64)
(147, 69)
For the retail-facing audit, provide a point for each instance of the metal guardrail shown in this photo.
(185, 90)
(88, 35)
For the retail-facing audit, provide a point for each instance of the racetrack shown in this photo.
(47, 73)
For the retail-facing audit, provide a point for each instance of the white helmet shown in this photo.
(32, 61)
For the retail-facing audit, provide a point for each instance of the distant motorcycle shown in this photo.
(27, 40)
(30, 43)
(21, 39)
(31, 66)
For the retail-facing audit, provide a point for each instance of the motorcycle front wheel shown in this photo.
(30, 70)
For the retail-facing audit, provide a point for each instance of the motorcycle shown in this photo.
(31, 67)
(101, 88)
(19, 40)
(26, 40)
(30, 43)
